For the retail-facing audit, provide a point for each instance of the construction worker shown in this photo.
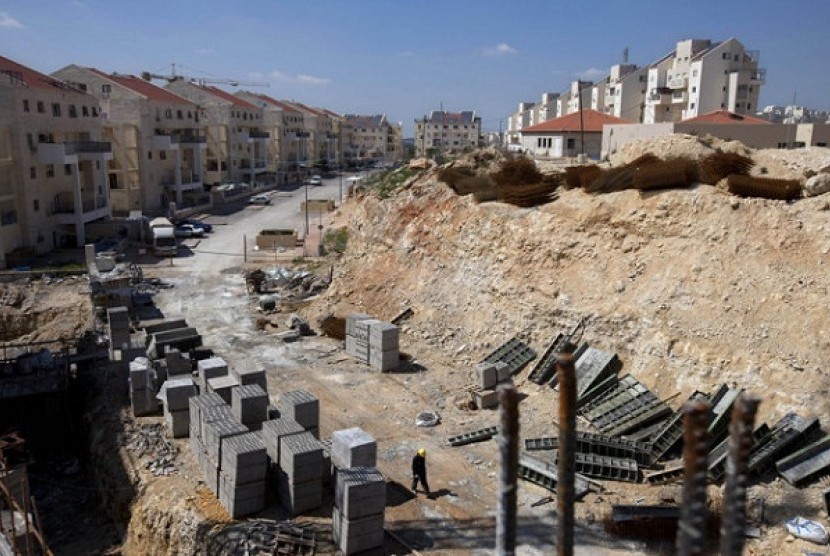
(419, 471)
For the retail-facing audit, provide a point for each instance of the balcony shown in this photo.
(257, 134)
(758, 77)
(679, 97)
(71, 151)
(259, 164)
(64, 210)
(678, 82)
(660, 95)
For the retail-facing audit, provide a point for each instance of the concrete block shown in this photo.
(384, 336)
(486, 376)
(502, 372)
(352, 319)
(353, 448)
(210, 414)
(301, 406)
(315, 432)
(197, 404)
(384, 360)
(200, 353)
(244, 501)
(487, 399)
(167, 324)
(249, 404)
(211, 367)
(222, 385)
(357, 348)
(144, 402)
(357, 535)
(177, 363)
(361, 329)
(118, 317)
(359, 492)
(177, 392)
(140, 375)
(216, 432)
(178, 422)
(246, 376)
(274, 430)
(244, 459)
(301, 457)
(298, 498)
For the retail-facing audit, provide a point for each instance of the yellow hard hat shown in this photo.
(422, 452)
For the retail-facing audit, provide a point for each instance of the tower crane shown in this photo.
(173, 76)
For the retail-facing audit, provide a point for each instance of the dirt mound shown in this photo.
(44, 309)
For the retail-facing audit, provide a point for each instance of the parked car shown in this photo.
(315, 180)
(207, 228)
(188, 230)
(259, 200)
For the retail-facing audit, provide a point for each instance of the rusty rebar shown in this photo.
(566, 458)
(733, 524)
(691, 532)
(508, 441)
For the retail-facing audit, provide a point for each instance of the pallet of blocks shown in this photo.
(358, 512)
(372, 341)
(242, 475)
(142, 387)
(300, 473)
(176, 394)
(303, 407)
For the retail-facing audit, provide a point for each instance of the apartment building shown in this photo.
(447, 132)
(625, 92)
(372, 137)
(530, 113)
(53, 163)
(157, 140)
(701, 77)
(237, 144)
(323, 137)
(793, 114)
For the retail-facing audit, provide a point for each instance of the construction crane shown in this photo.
(173, 76)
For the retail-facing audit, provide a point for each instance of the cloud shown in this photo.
(299, 79)
(591, 74)
(8, 21)
(204, 51)
(500, 50)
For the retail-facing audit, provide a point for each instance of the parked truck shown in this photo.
(162, 238)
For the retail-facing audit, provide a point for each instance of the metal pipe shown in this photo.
(508, 442)
(733, 524)
(691, 532)
(566, 457)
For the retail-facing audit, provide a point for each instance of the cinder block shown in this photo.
(177, 363)
(357, 349)
(249, 404)
(301, 457)
(357, 535)
(502, 372)
(359, 492)
(168, 324)
(301, 406)
(274, 430)
(143, 402)
(486, 375)
(141, 377)
(241, 500)
(216, 432)
(197, 404)
(222, 385)
(211, 367)
(178, 422)
(384, 360)
(177, 393)
(250, 375)
(361, 329)
(210, 414)
(353, 448)
(352, 319)
(118, 317)
(298, 498)
(244, 459)
(384, 336)
(487, 399)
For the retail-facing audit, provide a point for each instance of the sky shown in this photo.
(404, 59)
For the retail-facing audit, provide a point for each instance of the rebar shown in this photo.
(691, 532)
(508, 442)
(566, 460)
(733, 525)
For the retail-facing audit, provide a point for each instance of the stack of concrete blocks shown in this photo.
(250, 405)
(133, 349)
(488, 377)
(222, 385)
(242, 475)
(118, 329)
(304, 407)
(353, 448)
(274, 431)
(215, 434)
(250, 375)
(357, 336)
(358, 512)
(206, 409)
(142, 387)
(181, 338)
(176, 394)
(177, 363)
(212, 367)
(372, 341)
(326, 443)
(300, 473)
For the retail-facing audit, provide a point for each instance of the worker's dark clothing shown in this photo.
(419, 472)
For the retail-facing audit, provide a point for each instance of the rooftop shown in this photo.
(724, 117)
(592, 121)
(357, 120)
(224, 95)
(19, 74)
(441, 117)
(142, 87)
(274, 102)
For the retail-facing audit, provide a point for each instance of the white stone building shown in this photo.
(447, 132)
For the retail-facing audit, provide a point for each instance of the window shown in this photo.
(30, 141)
(694, 89)
(50, 170)
(56, 110)
(67, 169)
(692, 106)
(571, 143)
(25, 105)
(106, 89)
(748, 105)
(179, 114)
(162, 155)
(73, 111)
(168, 114)
(85, 111)
(35, 205)
(33, 172)
(782, 145)
(821, 144)
(94, 112)
(40, 107)
(149, 155)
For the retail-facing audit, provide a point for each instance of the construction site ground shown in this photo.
(692, 288)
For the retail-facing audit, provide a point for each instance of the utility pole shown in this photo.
(581, 121)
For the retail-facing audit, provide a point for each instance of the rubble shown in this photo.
(149, 443)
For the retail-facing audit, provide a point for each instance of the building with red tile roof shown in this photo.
(569, 135)
(725, 117)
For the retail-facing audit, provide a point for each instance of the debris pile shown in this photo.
(148, 441)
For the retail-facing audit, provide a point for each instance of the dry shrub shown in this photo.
(580, 176)
(642, 161)
(719, 165)
(486, 195)
(333, 327)
(767, 188)
(679, 172)
(529, 195)
(517, 171)
(472, 184)
(453, 175)
(615, 179)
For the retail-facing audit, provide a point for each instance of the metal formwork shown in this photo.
(514, 353)
(800, 467)
(647, 433)
(790, 431)
(672, 432)
(545, 367)
(592, 366)
(474, 436)
(605, 467)
(667, 475)
(602, 387)
(627, 388)
(722, 403)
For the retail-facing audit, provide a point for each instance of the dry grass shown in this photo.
(517, 171)
(679, 172)
(767, 188)
(333, 327)
(719, 165)
(580, 176)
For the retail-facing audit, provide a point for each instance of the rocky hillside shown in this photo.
(692, 288)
